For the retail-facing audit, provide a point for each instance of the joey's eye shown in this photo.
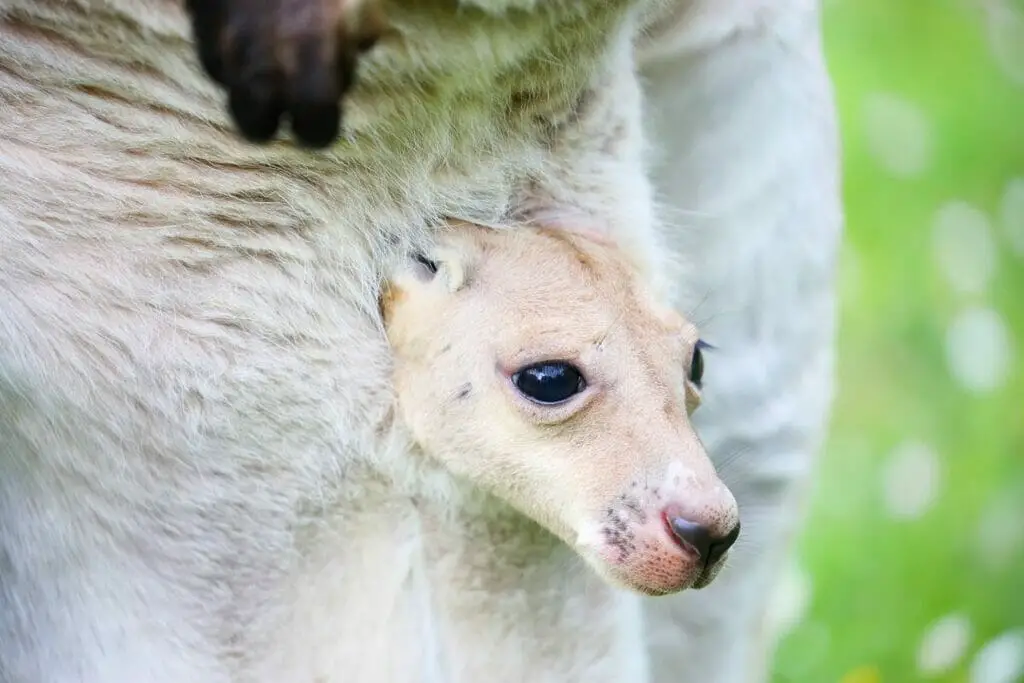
(549, 382)
(697, 363)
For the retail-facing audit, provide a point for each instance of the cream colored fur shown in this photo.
(583, 468)
(194, 480)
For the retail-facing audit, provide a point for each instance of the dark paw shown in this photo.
(284, 58)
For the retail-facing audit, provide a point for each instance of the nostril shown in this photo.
(721, 546)
(700, 539)
(691, 535)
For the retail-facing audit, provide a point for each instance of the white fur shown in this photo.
(193, 485)
(752, 178)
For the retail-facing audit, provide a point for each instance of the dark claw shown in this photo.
(316, 97)
(208, 16)
(269, 73)
(253, 81)
(257, 120)
(316, 126)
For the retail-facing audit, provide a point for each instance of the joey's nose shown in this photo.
(701, 539)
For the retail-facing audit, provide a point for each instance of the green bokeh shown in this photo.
(879, 582)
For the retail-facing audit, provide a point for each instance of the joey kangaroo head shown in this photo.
(534, 364)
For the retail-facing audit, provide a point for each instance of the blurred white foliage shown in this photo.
(964, 247)
(944, 644)
(1000, 660)
(911, 480)
(898, 134)
(1004, 23)
(1000, 533)
(979, 349)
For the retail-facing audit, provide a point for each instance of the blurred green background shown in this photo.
(912, 564)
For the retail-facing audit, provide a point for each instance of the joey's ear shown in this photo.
(423, 267)
(447, 264)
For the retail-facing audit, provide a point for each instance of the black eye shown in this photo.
(697, 363)
(549, 383)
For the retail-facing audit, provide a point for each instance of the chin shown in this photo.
(651, 581)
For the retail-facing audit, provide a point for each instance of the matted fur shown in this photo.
(192, 372)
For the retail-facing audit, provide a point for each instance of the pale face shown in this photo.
(565, 394)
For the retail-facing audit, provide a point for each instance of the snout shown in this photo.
(659, 541)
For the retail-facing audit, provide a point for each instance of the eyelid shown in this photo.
(524, 359)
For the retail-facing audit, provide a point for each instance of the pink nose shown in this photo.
(700, 538)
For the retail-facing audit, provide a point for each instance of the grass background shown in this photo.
(931, 115)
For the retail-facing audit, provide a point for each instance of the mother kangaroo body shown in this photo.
(195, 484)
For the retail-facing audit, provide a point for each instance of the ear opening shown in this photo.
(445, 263)
(424, 267)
